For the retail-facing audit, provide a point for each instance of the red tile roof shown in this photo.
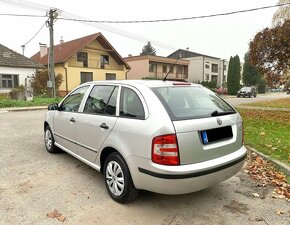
(64, 51)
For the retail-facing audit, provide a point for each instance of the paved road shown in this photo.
(233, 100)
(34, 182)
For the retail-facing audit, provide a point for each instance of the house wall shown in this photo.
(22, 72)
(198, 71)
(195, 69)
(74, 68)
(139, 69)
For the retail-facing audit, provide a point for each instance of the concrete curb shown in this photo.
(19, 109)
(281, 166)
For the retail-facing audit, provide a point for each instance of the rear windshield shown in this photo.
(191, 102)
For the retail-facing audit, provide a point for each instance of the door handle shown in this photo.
(72, 120)
(104, 125)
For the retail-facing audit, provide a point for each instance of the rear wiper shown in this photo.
(216, 113)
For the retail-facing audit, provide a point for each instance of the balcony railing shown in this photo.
(94, 64)
(170, 75)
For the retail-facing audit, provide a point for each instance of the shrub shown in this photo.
(39, 83)
(261, 86)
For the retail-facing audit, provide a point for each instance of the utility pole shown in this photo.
(51, 83)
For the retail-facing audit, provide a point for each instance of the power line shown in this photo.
(20, 15)
(176, 19)
(35, 34)
(142, 21)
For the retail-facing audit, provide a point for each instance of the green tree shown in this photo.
(234, 75)
(148, 49)
(262, 86)
(39, 83)
(250, 74)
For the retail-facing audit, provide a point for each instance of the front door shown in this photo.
(65, 119)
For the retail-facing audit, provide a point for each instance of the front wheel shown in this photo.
(49, 141)
(118, 180)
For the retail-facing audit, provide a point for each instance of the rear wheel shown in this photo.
(118, 180)
(49, 141)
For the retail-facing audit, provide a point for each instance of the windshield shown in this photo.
(191, 102)
(246, 89)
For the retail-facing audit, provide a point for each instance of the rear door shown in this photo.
(205, 125)
(97, 120)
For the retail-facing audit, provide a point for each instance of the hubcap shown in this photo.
(48, 139)
(115, 178)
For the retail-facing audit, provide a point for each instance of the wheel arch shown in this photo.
(104, 155)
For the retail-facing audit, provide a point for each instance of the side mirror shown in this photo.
(53, 106)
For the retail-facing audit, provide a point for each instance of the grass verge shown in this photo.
(279, 103)
(268, 132)
(37, 101)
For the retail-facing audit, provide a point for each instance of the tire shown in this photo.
(49, 141)
(118, 180)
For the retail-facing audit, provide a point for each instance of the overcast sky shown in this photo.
(221, 37)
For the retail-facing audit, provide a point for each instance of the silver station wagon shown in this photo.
(162, 136)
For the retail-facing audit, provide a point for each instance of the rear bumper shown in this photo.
(186, 178)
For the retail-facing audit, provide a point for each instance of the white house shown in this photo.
(15, 69)
(203, 67)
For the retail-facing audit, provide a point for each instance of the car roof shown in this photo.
(148, 83)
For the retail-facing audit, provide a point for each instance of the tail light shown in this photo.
(165, 150)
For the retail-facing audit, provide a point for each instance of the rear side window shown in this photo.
(131, 105)
(190, 102)
(102, 100)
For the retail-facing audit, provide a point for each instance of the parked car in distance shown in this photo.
(162, 136)
(247, 92)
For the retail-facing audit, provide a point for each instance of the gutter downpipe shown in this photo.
(203, 68)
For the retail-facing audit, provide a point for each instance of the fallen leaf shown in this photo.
(56, 214)
(256, 195)
(53, 214)
(61, 218)
(280, 212)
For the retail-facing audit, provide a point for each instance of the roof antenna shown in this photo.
(178, 57)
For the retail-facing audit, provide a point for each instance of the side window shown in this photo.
(73, 101)
(131, 105)
(102, 100)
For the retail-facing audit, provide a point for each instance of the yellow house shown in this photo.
(85, 59)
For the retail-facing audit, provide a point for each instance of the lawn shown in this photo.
(268, 132)
(279, 103)
(37, 101)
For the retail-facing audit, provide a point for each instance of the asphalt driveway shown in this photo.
(33, 183)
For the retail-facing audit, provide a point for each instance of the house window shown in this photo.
(9, 80)
(86, 77)
(214, 77)
(110, 76)
(214, 68)
(207, 65)
(207, 77)
(179, 70)
(152, 67)
(225, 67)
(83, 57)
(164, 68)
(104, 61)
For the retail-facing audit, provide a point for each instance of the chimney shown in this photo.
(43, 50)
(129, 55)
(61, 40)
(187, 48)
